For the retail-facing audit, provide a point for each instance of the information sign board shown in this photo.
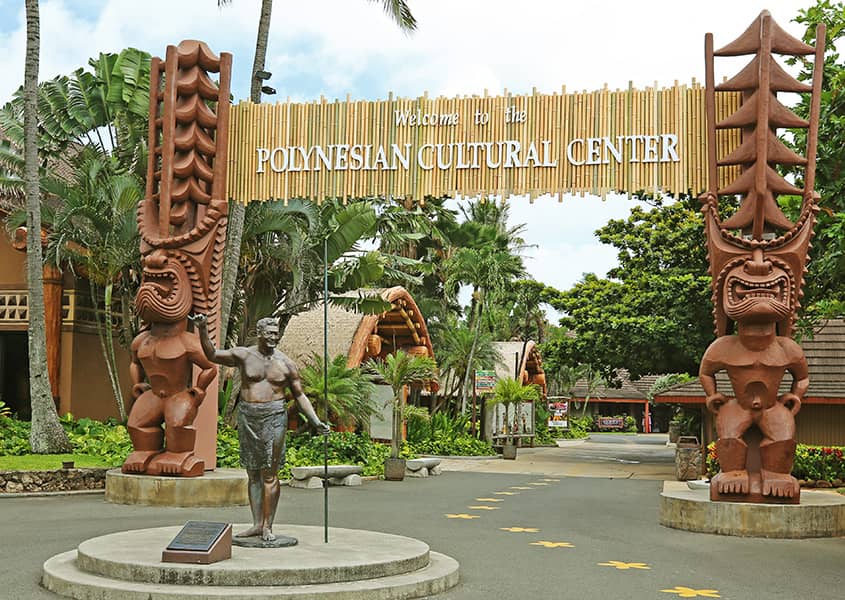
(559, 414)
(485, 381)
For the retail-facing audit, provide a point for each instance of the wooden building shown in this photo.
(822, 417)
(77, 370)
(630, 398)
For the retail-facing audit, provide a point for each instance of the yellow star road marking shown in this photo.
(484, 507)
(520, 529)
(546, 544)
(507, 493)
(520, 487)
(461, 516)
(623, 565)
(685, 592)
(489, 500)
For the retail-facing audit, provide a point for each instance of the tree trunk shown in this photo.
(465, 386)
(47, 435)
(235, 226)
(105, 333)
(398, 414)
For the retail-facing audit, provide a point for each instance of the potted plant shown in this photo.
(511, 392)
(399, 370)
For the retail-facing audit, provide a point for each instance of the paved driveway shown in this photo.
(609, 456)
(548, 536)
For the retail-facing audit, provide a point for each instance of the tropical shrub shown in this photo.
(343, 448)
(579, 427)
(108, 440)
(443, 435)
(399, 370)
(14, 434)
(350, 391)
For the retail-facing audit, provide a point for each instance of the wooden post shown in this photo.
(53, 320)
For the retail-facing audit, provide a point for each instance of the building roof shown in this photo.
(511, 353)
(349, 333)
(628, 392)
(825, 352)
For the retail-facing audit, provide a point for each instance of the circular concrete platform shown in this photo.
(223, 487)
(354, 564)
(820, 514)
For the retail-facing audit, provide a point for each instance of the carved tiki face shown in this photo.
(757, 281)
(757, 291)
(165, 291)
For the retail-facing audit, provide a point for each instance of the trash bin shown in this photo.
(688, 458)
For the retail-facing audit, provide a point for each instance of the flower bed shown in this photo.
(815, 466)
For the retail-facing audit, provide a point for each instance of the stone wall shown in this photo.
(64, 480)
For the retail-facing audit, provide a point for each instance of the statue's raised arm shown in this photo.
(221, 357)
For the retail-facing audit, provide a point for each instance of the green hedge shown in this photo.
(109, 443)
(812, 463)
(442, 435)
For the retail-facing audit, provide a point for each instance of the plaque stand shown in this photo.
(200, 542)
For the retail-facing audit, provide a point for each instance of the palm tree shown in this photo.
(399, 11)
(47, 435)
(276, 258)
(399, 370)
(105, 107)
(94, 229)
(453, 343)
(486, 269)
(511, 392)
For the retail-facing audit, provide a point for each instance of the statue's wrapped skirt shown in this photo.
(261, 432)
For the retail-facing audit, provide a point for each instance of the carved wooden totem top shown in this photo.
(183, 214)
(182, 222)
(757, 261)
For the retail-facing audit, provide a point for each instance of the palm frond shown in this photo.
(400, 12)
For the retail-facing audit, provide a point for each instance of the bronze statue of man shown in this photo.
(266, 376)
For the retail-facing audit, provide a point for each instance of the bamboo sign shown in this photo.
(631, 140)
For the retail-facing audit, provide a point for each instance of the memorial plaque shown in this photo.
(201, 542)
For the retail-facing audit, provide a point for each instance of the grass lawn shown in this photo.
(48, 462)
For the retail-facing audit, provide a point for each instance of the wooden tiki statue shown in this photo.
(182, 221)
(757, 261)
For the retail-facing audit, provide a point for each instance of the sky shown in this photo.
(339, 47)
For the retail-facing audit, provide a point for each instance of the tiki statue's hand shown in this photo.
(715, 401)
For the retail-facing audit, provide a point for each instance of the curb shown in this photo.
(47, 494)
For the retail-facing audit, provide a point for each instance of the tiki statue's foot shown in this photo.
(267, 535)
(779, 485)
(183, 464)
(251, 532)
(138, 461)
(731, 482)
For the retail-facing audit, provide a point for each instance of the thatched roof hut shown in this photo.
(358, 336)
(520, 360)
